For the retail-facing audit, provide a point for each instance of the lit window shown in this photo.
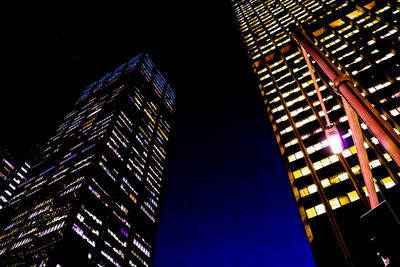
(370, 5)
(303, 192)
(383, 9)
(299, 155)
(355, 14)
(334, 202)
(388, 182)
(343, 176)
(353, 196)
(320, 209)
(305, 171)
(325, 183)
(311, 213)
(297, 174)
(344, 200)
(356, 169)
(387, 56)
(374, 163)
(312, 188)
(317, 165)
(325, 162)
(310, 149)
(394, 112)
(291, 158)
(334, 180)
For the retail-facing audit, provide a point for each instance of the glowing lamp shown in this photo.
(334, 139)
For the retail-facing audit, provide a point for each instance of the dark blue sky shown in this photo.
(228, 200)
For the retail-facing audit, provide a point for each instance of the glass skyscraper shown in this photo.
(93, 196)
(362, 39)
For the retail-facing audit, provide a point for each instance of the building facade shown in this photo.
(12, 174)
(93, 197)
(362, 39)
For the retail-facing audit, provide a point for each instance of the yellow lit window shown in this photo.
(334, 202)
(356, 169)
(297, 174)
(371, 23)
(319, 32)
(303, 192)
(353, 196)
(383, 9)
(334, 180)
(388, 182)
(370, 5)
(336, 23)
(311, 213)
(327, 38)
(262, 71)
(355, 14)
(344, 200)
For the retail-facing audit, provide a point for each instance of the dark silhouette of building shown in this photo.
(93, 196)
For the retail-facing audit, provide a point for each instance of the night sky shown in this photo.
(227, 200)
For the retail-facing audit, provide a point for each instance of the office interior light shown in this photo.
(334, 139)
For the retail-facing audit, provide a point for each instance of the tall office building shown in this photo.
(93, 198)
(12, 173)
(362, 39)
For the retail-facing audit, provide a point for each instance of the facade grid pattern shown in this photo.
(93, 196)
(361, 38)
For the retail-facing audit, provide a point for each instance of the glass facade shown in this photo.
(361, 38)
(93, 197)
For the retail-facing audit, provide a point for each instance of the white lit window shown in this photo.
(320, 209)
(334, 202)
(312, 188)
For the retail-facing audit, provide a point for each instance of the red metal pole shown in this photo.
(361, 153)
(356, 134)
(379, 127)
(321, 101)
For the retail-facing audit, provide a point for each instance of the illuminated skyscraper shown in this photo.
(12, 173)
(361, 38)
(93, 198)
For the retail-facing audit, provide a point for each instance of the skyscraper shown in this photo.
(93, 197)
(12, 173)
(361, 38)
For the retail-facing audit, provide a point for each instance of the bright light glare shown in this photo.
(334, 139)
